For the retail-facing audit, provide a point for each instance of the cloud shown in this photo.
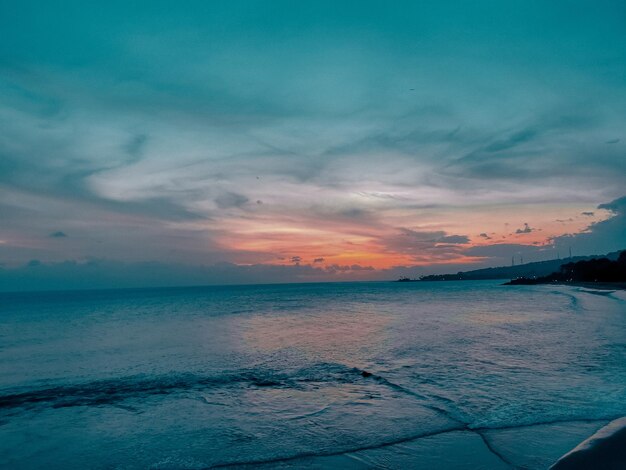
(318, 260)
(617, 206)
(526, 229)
(421, 245)
(422, 236)
(102, 274)
(135, 147)
(336, 268)
(588, 214)
(604, 236)
(253, 137)
(534, 150)
(454, 239)
(229, 200)
(503, 250)
(438, 236)
(485, 236)
(57, 235)
(599, 237)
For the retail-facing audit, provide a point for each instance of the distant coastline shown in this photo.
(597, 271)
(600, 273)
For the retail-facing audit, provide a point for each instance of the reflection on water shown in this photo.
(333, 336)
(496, 318)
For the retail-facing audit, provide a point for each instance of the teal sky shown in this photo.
(279, 141)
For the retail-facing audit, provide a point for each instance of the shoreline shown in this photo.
(588, 285)
(599, 285)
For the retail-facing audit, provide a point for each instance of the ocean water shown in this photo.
(354, 375)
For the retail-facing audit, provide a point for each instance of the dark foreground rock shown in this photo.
(606, 449)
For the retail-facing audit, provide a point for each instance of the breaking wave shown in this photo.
(112, 391)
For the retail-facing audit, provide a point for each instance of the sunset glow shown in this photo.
(288, 150)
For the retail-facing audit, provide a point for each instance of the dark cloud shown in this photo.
(417, 235)
(588, 214)
(617, 206)
(426, 246)
(318, 260)
(433, 237)
(353, 213)
(57, 235)
(358, 267)
(526, 229)
(600, 237)
(514, 140)
(454, 239)
(485, 236)
(103, 274)
(229, 200)
(336, 268)
(499, 158)
(535, 152)
(135, 147)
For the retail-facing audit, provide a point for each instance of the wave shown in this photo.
(404, 439)
(113, 391)
(304, 455)
(602, 293)
(574, 302)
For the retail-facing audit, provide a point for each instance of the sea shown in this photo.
(427, 375)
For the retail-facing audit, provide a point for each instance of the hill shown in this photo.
(599, 270)
(528, 270)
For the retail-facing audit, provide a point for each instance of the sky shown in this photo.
(158, 143)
